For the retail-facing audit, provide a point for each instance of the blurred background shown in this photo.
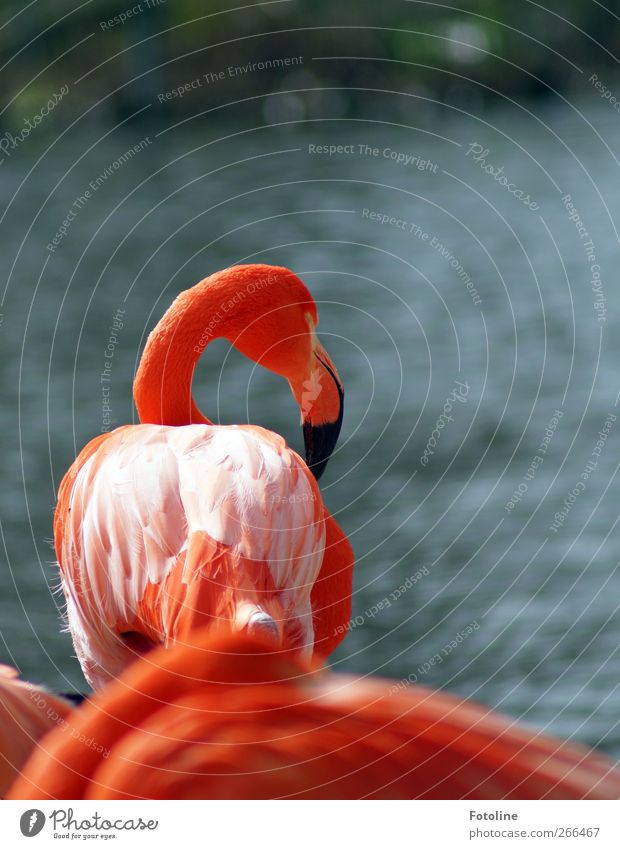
(445, 180)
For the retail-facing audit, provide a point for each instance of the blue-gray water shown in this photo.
(536, 608)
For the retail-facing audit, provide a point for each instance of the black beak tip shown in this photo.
(320, 441)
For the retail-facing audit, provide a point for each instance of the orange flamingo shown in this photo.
(26, 714)
(229, 718)
(176, 522)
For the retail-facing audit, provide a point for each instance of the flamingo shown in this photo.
(228, 717)
(27, 712)
(176, 522)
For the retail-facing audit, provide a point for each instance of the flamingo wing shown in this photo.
(332, 591)
(160, 529)
(229, 718)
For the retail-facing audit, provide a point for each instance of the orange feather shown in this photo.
(26, 714)
(230, 718)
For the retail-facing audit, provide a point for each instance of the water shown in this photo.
(495, 604)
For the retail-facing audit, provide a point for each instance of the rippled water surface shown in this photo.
(432, 279)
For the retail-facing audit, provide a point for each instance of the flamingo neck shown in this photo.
(246, 304)
(163, 383)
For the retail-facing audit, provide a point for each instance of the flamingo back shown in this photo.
(161, 529)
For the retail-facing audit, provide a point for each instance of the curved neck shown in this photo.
(247, 304)
(163, 384)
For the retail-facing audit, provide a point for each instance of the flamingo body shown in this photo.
(164, 528)
(225, 718)
(177, 522)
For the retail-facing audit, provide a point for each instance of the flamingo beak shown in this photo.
(322, 405)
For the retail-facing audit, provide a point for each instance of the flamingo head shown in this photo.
(268, 314)
(281, 336)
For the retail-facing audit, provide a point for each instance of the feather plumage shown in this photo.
(227, 718)
(162, 528)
